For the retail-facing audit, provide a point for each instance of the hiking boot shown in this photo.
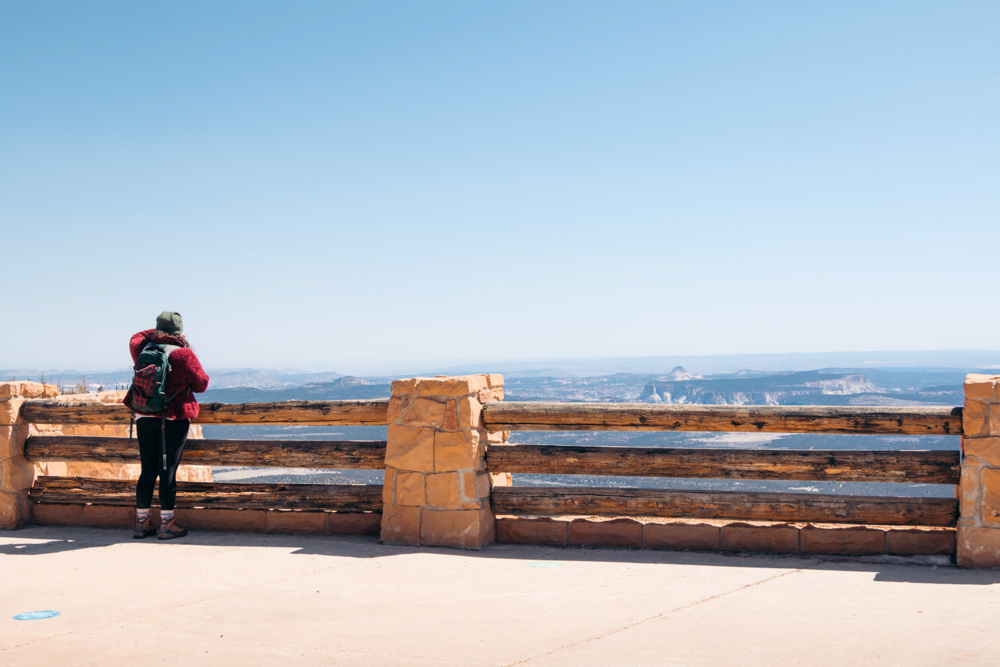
(171, 530)
(144, 529)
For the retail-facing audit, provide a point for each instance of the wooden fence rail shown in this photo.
(802, 507)
(342, 454)
(353, 413)
(913, 467)
(934, 467)
(338, 497)
(529, 416)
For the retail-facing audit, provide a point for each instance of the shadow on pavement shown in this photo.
(47, 540)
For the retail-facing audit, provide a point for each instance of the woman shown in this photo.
(185, 378)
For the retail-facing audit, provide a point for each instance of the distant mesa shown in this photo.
(679, 374)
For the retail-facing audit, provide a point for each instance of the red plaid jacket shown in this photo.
(186, 376)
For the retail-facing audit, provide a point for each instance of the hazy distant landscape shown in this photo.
(875, 383)
(830, 386)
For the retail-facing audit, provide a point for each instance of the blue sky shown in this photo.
(338, 186)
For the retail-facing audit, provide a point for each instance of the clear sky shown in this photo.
(337, 185)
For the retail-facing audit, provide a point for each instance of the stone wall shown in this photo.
(16, 472)
(437, 490)
(979, 489)
(721, 535)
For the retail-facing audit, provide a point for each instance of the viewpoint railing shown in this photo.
(924, 467)
(447, 463)
(343, 498)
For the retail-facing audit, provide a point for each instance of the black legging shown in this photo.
(148, 433)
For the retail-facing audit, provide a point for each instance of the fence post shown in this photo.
(979, 488)
(16, 473)
(437, 489)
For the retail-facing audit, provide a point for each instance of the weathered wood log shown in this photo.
(338, 497)
(911, 467)
(353, 413)
(527, 416)
(341, 454)
(552, 501)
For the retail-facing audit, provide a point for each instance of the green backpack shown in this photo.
(149, 387)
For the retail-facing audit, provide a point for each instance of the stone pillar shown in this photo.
(437, 490)
(979, 488)
(16, 473)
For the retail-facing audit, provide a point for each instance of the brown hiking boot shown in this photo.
(144, 528)
(171, 530)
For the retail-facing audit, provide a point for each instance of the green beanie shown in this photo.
(170, 323)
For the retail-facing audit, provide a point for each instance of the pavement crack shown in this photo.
(655, 617)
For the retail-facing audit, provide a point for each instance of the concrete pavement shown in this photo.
(223, 598)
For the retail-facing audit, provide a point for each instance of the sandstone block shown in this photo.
(18, 474)
(494, 380)
(410, 448)
(403, 386)
(444, 387)
(184, 473)
(973, 418)
(487, 395)
(916, 542)
(462, 385)
(531, 531)
(21, 388)
(994, 427)
(990, 503)
(32, 389)
(355, 523)
(12, 440)
(248, 521)
(457, 450)
(389, 487)
(470, 413)
(15, 510)
(978, 547)
(108, 516)
(10, 409)
(854, 541)
(53, 468)
(468, 489)
(680, 536)
(394, 410)
(56, 515)
(776, 538)
(497, 436)
(314, 523)
(107, 430)
(443, 490)
(450, 422)
(475, 485)
(111, 396)
(986, 449)
(626, 533)
(501, 479)
(969, 491)
(50, 391)
(466, 529)
(424, 412)
(400, 525)
(981, 387)
(410, 489)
